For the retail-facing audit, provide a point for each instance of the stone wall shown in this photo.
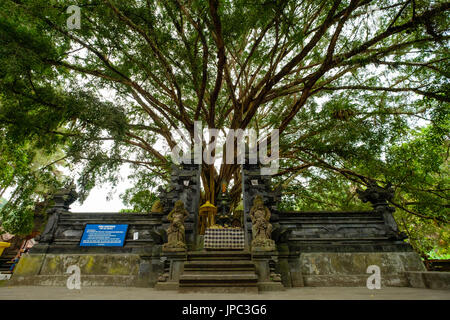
(356, 231)
(335, 249)
(349, 269)
(431, 279)
(313, 248)
(70, 227)
(95, 270)
(137, 263)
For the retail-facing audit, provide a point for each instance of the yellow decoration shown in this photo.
(208, 205)
(217, 226)
(3, 246)
(207, 214)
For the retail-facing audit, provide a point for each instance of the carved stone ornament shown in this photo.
(261, 227)
(376, 195)
(176, 240)
(157, 207)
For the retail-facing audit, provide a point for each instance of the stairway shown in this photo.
(6, 262)
(219, 271)
(5, 265)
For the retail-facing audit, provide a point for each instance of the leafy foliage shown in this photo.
(2, 202)
(357, 88)
(141, 201)
(31, 175)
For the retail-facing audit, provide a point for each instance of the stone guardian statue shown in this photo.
(261, 227)
(176, 240)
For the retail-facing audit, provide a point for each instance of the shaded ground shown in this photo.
(308, 293)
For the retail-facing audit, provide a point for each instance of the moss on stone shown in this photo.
(89, 264)
(51, 264)
(344, 263)
(29, 265)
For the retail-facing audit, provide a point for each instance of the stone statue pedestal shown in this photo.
(265, 261)
(173, 267)
(174, 247)
(263, 245)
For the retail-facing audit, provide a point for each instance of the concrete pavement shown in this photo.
(305, 293)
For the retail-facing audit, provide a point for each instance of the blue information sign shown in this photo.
(104, 235)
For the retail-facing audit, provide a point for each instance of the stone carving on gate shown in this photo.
(176, 238)
(62, 200)
(379, 198)
(261, 227)
(157, 207)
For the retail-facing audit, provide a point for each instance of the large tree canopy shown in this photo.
(357, 88)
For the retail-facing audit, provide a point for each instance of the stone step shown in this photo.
(219, 255)
(219, 279)
(200, 272)
(214, 284)
(219, 265)
(220, 289)
(5, 264)
(219, 270)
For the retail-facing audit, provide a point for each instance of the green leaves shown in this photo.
(141, 201)
(368, 102)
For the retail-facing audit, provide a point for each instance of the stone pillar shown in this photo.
(151, 267)
(249, 191)
(184, 186)
(174, 263)
(253, 183)
(268, 279)
(62, 200)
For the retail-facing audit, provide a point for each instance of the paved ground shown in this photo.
(308, 293)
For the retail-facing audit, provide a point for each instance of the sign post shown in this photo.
(104, 235)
